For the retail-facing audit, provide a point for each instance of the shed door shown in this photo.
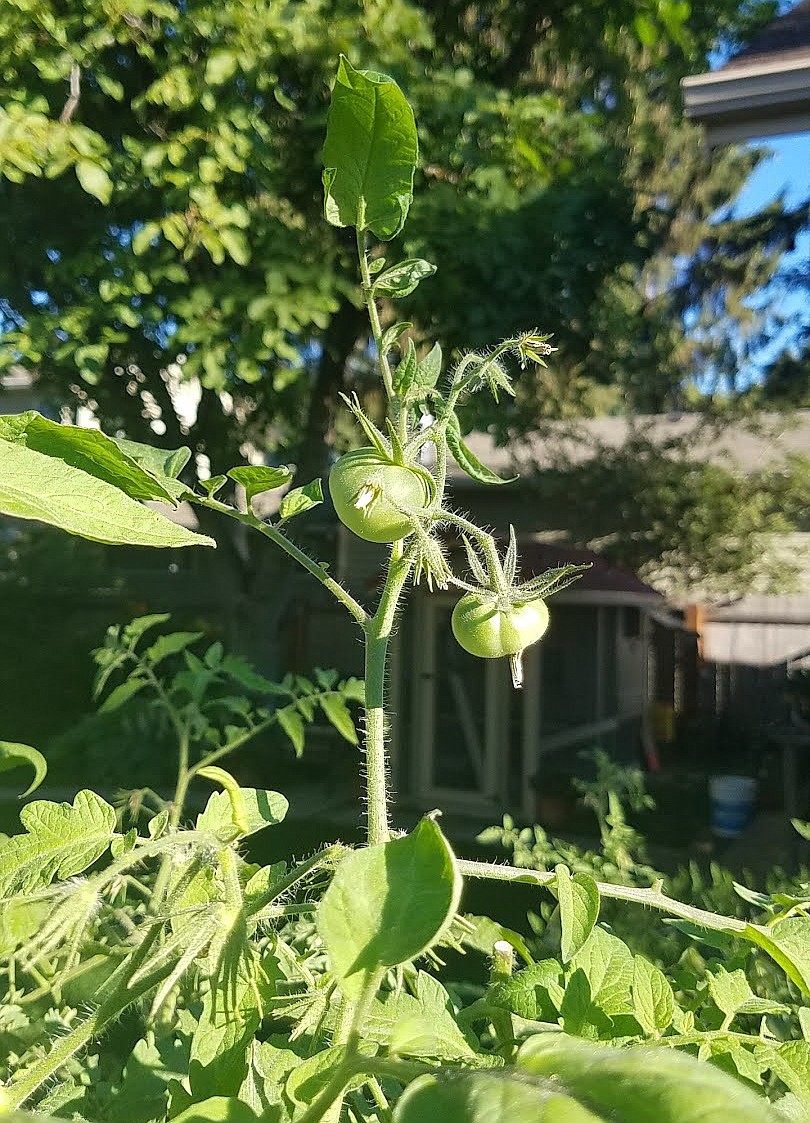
(459, 727)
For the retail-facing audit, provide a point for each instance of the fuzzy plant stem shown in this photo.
(652, 898)
(378, 634)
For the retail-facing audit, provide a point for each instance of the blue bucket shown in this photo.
(732, 804)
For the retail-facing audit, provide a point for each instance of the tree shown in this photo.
(161, 198)
(657, 505)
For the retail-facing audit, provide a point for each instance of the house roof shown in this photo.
(764, 90)
(766, 442)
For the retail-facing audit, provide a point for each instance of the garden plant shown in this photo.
(157, 973)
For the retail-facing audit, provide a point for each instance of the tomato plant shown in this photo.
(309, 991)
(374, 497)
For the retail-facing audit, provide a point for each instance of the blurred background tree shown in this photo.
(166, 266)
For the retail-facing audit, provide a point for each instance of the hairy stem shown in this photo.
(652, 898)
(378, 635)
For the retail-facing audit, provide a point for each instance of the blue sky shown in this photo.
(786, 171)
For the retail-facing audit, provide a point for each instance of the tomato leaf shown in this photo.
(402, 279)
(387, 904)
(13, 755)
(467, 460)
(370, 153)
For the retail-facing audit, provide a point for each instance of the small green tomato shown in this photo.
(490, 632)
(369, 490)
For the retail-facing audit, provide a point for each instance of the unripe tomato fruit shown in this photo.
(367, 489)
(490, 632)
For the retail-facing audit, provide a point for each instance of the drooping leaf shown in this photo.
(387, 904)
(788, 943)
(301, 499)
(370, 153)
(256, 479)
(338, 713)
(162, 463)
(638, 1085)
(486, 933)
(467, 460)
(122, 693)
(61, 840)
(402, 279)
(46, 489)
(292, 723)
(14, 755)
(392, 334)
(89, 450)
(578, 899)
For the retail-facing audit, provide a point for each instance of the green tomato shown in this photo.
(368, 491)
(490, 632)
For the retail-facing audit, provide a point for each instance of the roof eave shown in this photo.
(762, 98)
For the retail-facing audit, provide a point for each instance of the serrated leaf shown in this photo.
(791, 1063)
(91, 451)
(292, 723)
(729, 989)
(535, 993)
(171, 644)
(260, 809)
(467, 460)
(338, 713)
(13, 755)
(402, 279)
(61, 840)
(429, 1029)
(370, 153)
(122, 693)
(578, 899)
(256, 479)
(47, 490)
(94, 180)
(608, 966)
(653, 1000)
(387, 904)
(301, 499)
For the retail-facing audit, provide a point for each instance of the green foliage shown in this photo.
(215, 989)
